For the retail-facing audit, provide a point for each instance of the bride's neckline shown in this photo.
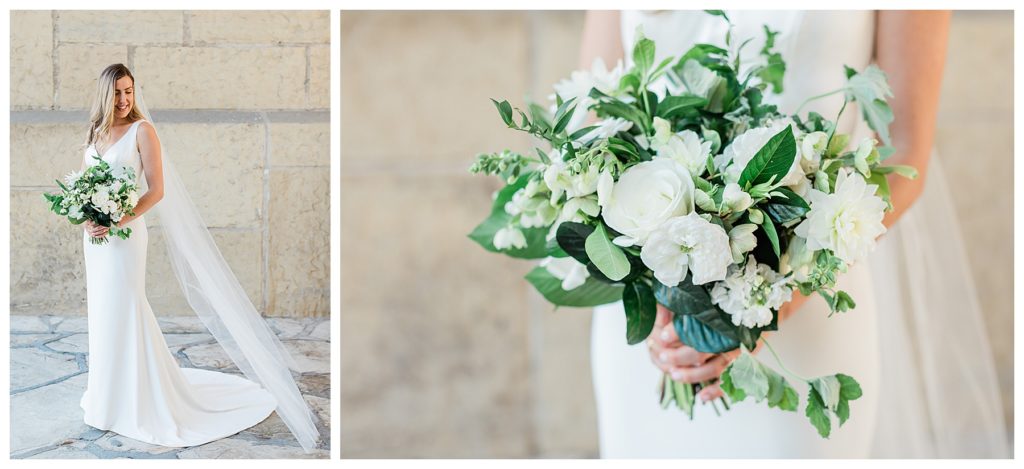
(119, 139)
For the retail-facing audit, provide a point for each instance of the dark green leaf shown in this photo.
(505, 110)
(483, 234)
(849, 387)
(641, 310)
(674, 106)
(572, 238)
(773, 237)
(773, 160)
(817, 413)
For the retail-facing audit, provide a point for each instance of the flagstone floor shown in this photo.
(49, 366)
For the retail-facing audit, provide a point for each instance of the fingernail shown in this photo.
(677, 375)
(664, 335)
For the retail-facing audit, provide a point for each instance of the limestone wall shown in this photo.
(446, 351)
(241, 101)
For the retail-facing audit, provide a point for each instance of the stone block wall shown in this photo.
(446, 351)
(241, 102)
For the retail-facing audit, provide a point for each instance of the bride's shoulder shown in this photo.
(146, 132)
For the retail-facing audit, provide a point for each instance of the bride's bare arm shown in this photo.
(910, 46)
(152, 166)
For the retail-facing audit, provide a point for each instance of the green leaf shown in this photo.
(780, 393)
(869, 90)
(849, 387)
(748, 375)
(908, 172)
(882, 182)
(717, 13)
(773, 160)
(735, 394)
(769, 230)
(505, 110)
(605, 255)
(591, 293)
(828, 389)
(843, 411)
(643, 55)
(702, 337)
(572, 237)
(673, 106)
(816, 412)
(641, 310)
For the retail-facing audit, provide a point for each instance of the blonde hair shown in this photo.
(101, 117)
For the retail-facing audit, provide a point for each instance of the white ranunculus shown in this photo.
(749, 294)
(571, 272)
(687, 243)
(606, 129)
(743, 148)
(735, 199)
(646, 195)
(509, 237)
(846, 222)
(579, 84)
(100, 198)
(742, 240)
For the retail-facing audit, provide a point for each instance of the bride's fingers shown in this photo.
(686, 356)
(710, 369)
(710, 393)
(663, 317)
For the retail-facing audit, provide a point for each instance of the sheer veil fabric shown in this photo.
(216, 296)
(917, 339)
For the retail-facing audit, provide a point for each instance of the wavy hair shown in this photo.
(101, 117)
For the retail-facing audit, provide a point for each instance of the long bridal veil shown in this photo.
(214, 293)
(941, 396)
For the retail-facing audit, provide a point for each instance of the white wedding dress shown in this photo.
(890, 419)
(135, 386)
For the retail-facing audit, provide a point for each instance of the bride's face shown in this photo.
(124, 97)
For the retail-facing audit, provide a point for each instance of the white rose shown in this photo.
(644, 197)
(735, 199)
(571, 272)
(509, 237)
(100, 199)
(687, 243)
(846, 222)
(743, 148)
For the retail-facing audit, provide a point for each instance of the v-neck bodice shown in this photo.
(123, 152)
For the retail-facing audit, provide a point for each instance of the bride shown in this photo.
(915, 340)
(135, 387)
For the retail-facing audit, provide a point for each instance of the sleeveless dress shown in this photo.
(631, 422)
(135, 386)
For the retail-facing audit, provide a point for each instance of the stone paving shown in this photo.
(49, 366)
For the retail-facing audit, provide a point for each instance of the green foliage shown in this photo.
(772, 162)
(483, 234)
(608, 257)
(641, 310)
(746, 376)
(591, 293)
(869, 89)
(830, 396)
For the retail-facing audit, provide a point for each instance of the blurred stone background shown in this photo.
(241, 102)
(446, 350)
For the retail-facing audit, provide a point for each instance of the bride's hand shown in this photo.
(94, 230)
(667, 352)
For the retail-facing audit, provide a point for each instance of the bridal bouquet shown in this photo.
(101, 194)
(692, 191)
